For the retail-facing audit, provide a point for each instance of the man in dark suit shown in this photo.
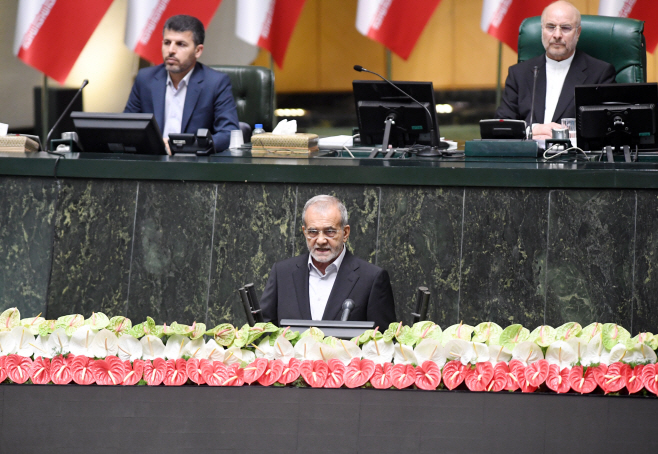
(314, 286)
(558, 72)
(184, 94)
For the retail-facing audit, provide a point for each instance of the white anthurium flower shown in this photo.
(212, 351)
(233, 355)
(81, 341)
(475, 353)
(593, 352)
(59, 342)
(129, 348)
(8, 344)
(430, 350)
(497, 354)
(152, 347)
(404, 354)
(379, 352)
(24, 341)
(40, 347)
(561, 354)
(347, 350)
(248, 356)
(327, 352)
(643, 354)
(454, 349)
(527, 352)
(265, 350)
(105, 343)
(617, 354)
(283, 350)
(578, 345)
(193, 347)
(175, 346)
(307, 348)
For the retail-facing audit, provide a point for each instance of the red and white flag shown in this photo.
(502, 18)
(646, 10)
(397, 24)
(146, 18)
(268, 24)
(50, 34)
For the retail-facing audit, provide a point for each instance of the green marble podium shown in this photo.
(507, 240)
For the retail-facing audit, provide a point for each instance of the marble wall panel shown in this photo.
(645, 305)
(590, 256)
(503, 260)
(27, 215)
(171, 255)
(93, 240)
(419, 244)
(253, 229)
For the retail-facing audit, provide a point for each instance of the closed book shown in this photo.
(17, 143)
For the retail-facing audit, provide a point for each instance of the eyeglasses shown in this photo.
(314, 233)
(566, 29)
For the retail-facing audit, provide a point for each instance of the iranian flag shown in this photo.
(502, 18)
(268, 24)
(50, 34)
(397, 24)
(645, 10)
(146, 18)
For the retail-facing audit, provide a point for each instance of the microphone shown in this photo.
(61, 117)
(532, 104)
(437, 145)
(348, 305)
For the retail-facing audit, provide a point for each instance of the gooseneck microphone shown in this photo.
(61, 117)
(437, 145)
(532, 104)
(348, 305)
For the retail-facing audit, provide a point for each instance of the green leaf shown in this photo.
(10, 319)
(367, 336)
(392, 330)
(315, 333)
(138, 330)
(287, 334)
(459, 331)
(543, 335)
(614, 334)
(70, 323)
(512, 336)
(568, 331)
(590, 331)
(426, 330)
(223, 334)
(32, 324)
(120, 325)
(198, 331)
(97, 321)
(407, 337)
(47, 327)
(487, 333)
(330, 340)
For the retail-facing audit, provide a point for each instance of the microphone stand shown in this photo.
(532, 104)
(61, 117)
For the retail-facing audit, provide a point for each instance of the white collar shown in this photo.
(337, 262)
(185, 80)
(554, 64)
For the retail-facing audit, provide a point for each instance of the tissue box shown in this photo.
(291, 145)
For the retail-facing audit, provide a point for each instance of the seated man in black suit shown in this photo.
(558, 72)
(313, 286)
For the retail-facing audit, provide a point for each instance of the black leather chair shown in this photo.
(253, 91)
(618, 41)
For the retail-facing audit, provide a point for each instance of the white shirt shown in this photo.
(174, 104)
(556, 72)
(320, 285)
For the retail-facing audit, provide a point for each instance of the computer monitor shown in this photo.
(615, 115)
(375, 100)
(135, 133)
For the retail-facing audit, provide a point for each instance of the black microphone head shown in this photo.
(358, 68)
(85, 83)
(348, 304)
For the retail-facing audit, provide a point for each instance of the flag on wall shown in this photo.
(146, 18)
(268, 24)
(50, 34)
(502, 18)
(397, 24)
(645, 10)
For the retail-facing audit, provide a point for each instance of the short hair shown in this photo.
(323, 202)
(543, 13)
(183, 23)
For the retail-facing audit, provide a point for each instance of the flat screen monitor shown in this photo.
(616, 115)
(375, 100)
(135, 133)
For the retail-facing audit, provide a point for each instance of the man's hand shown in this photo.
(544, 131)
(166, 142)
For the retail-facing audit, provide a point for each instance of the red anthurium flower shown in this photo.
(598, 373)
(358, 372)
(403, 375)
(60, 370)
(235, 375)
(536, 373)
(516, 375)
(18, 368)
(3, 369)
(633, 378)
(381, 377)
(194, 370)
(272, 373)
(454, 373)
(214, 372)
(650, 378)
(40, 371)
(500, 377)
(428, 376)
(254, 370)
(558, 380)
(154, 372)
(134, 372)
(614, 377)
(176, 374)
(336, 374)
(314, 372)
(81, 368)
(108, 371)
(290, 372)
(582, 383)
(478, 379)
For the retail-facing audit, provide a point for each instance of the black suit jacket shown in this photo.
(286, 292)
(517, 97)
